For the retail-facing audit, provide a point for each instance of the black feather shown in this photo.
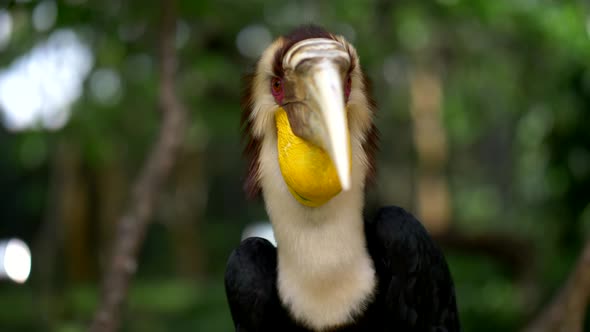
(415, 289)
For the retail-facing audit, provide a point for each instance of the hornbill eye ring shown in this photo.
(276, 88)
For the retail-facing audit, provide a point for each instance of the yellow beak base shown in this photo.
(307, 169)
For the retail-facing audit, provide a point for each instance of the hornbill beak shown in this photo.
(315, 103)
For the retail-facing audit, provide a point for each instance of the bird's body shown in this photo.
(309, 120)
(413, 291)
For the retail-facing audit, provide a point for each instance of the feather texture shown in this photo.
(415, 288)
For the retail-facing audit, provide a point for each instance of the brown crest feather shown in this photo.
(371, 148)
(253, 144)
(371, 145)
(292, 38)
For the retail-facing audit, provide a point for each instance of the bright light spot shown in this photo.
(588, 26)
(44, 15)
(5, 28)
(15, 260)
(183, 33)
(260, 229)
(39, 87)
(252, 40)
(105, 86)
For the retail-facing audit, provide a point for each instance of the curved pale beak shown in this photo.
(326, 97)
(317, 113)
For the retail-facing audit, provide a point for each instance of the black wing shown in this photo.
(416, 291)
(250, 285)
(415, 286)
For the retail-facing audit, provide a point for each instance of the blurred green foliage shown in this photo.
(516, 103)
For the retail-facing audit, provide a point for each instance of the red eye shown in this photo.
(276, 88)
(347, 88)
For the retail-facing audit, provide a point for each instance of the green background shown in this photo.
(514, 78)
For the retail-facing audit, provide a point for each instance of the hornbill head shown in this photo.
(307, 106)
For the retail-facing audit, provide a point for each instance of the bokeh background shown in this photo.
(484, 117)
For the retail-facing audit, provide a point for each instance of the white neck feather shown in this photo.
(325, 273)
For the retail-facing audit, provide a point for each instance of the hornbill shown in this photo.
(309, 121)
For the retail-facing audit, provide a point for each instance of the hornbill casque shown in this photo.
(309, 121)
